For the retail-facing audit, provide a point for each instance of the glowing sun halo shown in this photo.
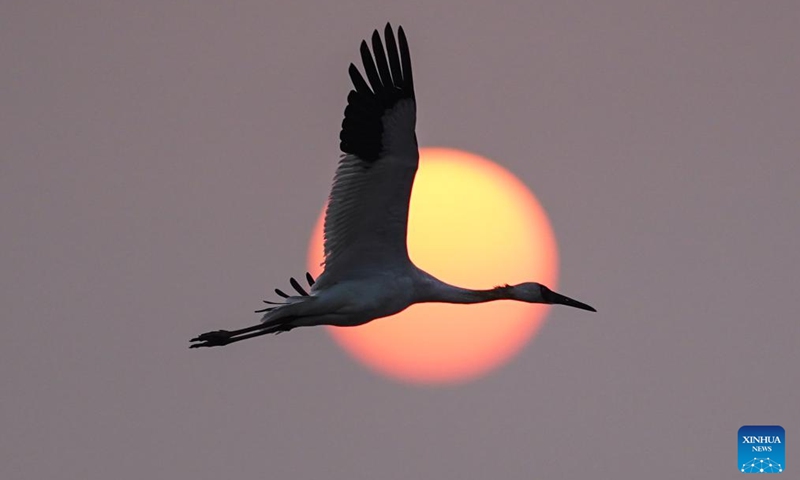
(473, 224)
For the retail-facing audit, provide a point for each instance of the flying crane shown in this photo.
(368, 273)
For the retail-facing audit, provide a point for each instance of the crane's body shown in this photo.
(368, 273)
(349, 303)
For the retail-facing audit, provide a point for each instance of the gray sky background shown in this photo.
(163, 163)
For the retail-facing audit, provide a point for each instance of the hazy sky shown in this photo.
(162, 165)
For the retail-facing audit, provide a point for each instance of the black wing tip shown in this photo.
(281, 293)
(401, 37)
(296, 285)
(388, 31)
(386, 80)
(371, 59)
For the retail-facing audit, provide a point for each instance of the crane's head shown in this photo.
(533, 292)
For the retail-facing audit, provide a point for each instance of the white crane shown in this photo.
(368, 274)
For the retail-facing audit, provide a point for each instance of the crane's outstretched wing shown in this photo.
(367, 214)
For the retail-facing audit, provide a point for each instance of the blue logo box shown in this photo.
(762, 449)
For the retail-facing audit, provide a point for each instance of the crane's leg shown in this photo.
(220, 338)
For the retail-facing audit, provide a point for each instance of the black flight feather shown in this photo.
(388, 80)
(297, 287)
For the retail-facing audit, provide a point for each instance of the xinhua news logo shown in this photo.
(762, 449)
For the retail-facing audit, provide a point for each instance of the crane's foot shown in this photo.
(217, 338)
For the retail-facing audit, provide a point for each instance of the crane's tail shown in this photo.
(277, 319)
(282, 314)
(289, 298)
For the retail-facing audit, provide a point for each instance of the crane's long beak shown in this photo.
(558, 299)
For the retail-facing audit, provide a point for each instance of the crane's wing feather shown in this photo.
(367, 214)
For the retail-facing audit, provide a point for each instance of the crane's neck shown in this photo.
(438, 291)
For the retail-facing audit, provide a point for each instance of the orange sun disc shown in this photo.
(473, 224)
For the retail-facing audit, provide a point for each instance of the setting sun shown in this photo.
(473, 224)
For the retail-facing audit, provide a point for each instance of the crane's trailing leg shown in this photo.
(220, 338)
